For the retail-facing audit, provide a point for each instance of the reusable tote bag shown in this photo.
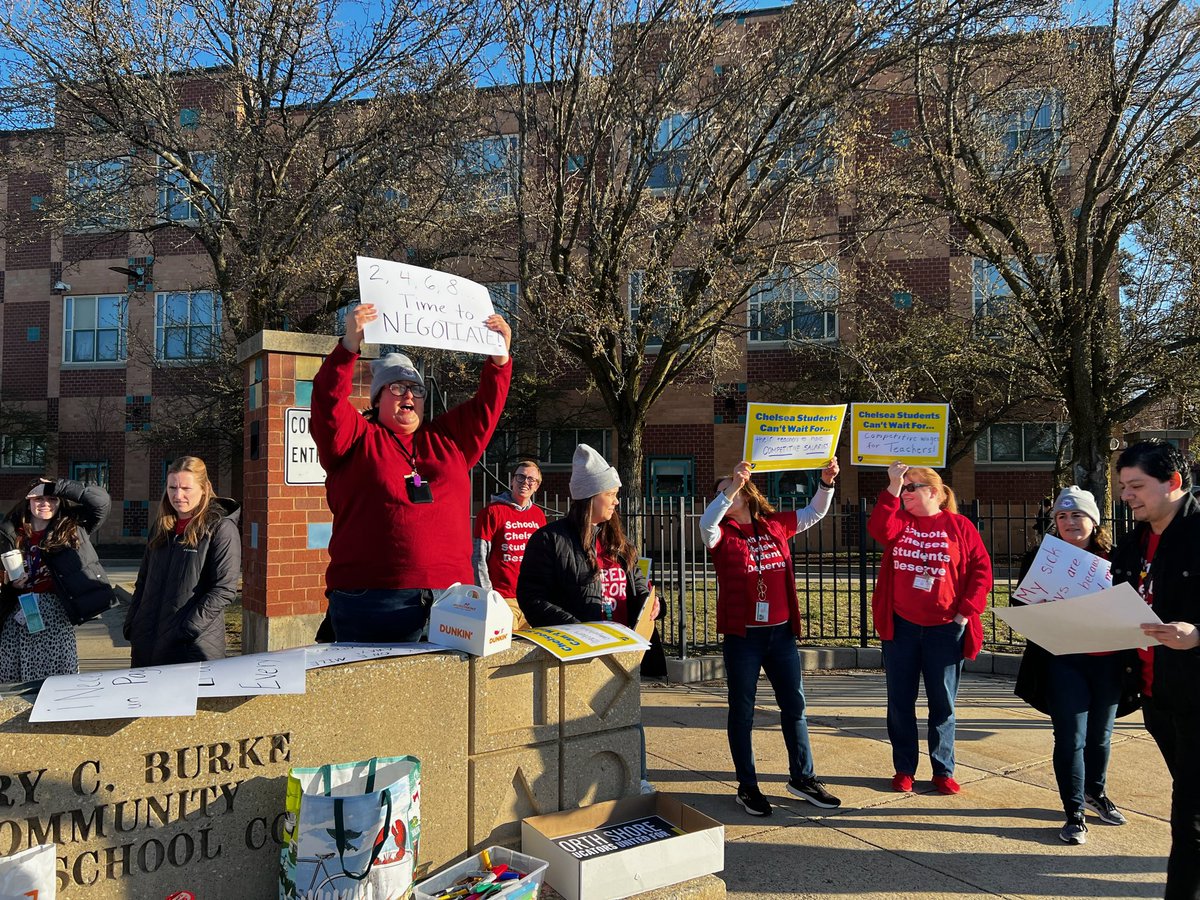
(351, 831)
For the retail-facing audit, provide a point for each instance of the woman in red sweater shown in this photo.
(933, 584)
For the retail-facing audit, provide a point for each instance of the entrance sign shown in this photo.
(426, 308)
(913, 433)
(782, 436)
(120, 694)
(300, 463)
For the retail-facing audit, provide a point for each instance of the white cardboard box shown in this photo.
(470, 619)
(700, 850)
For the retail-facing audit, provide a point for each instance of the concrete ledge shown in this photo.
(694, 669)
(815, 659)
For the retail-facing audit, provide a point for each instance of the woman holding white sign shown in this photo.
(759, 615)
(932, 587)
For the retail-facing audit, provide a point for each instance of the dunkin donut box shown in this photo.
(468, 618)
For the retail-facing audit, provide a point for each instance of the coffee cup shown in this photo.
(14, 564)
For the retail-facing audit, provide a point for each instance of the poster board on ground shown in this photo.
(643, 861)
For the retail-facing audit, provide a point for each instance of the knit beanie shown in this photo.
(591, 474)
(1075, 497)
(389, 368)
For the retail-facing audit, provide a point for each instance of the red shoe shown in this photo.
(902, 783)
(945, 784)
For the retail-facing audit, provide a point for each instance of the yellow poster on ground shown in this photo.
(783, 436)
(585, 640)
(912, 433)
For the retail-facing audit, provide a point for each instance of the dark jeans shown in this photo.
(916, 653)
(1177, 733)
(379, 615)
(1082, 693)
(771, 649)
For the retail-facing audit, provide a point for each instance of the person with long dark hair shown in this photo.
(759, 615)
(189, 572)
(51, 528)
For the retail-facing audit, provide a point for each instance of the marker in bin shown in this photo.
(484, 883)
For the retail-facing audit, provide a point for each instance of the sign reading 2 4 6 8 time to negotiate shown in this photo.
(782, 436)
(911, 433)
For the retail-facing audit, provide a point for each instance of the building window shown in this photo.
(670, 154)
(22, 452)
(177, 201)
(810, 156)
(504, 296)
(98, 191)
(91, 472)
(503, 450)
(94, 329)
(1033, 130)
(488, 166)
(557, 446)
(1021, 442)
(660, 312)
(991, 292)
(796, 487)
(671, 476)
(796, 305)
(187, 325)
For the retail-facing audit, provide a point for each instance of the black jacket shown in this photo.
(79, 580)
(556, 585)
(178, 609)
(1175, 576)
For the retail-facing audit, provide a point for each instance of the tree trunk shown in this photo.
(1090, 460)
(629, 467)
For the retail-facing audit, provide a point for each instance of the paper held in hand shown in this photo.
(426, 308)
(1093, 623)
(784, 436)
(1061, 570)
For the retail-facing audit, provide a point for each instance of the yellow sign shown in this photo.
(781, 436)
(911, 433)
(584, 640)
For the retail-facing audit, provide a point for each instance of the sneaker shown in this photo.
(902, 783)
(1074, 832)
(753, 801)
(814, 792)
(1105, 809)
(945, 784)
(647, 788)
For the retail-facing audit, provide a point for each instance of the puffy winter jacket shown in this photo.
(178, 609)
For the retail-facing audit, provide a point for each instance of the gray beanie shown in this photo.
(1075, 497)
(591, 474)
(389, 368)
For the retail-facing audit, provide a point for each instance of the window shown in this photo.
(991, 292)
(796, 305)
(91, 472)
(1021, 442)
(489, 167)
(557, 446)
(796, 487)
(660, 312)
(1033, 131)
(97, 190)
(504, 296)
(810, 156)
(22, 452)
(671, 476)
(186, 325)
(502, 450)
(669, 157)
(176, 200)
(94, 329)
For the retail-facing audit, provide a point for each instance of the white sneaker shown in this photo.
(647, 787)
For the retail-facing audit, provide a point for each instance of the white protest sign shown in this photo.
(1094, 623)
(426, 308)
(118, 694)
(322, 655)
(281, 672)
(1062, 570)
(300, 462)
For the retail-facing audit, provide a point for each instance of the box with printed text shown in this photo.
(470, 619)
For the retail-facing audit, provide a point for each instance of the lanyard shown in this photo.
(756, 555)
(409, 455)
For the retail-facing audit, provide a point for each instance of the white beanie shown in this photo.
(1075, 497)
(591, 474)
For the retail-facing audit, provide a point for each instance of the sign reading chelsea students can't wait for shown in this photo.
(425, 308)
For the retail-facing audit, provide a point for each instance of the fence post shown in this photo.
(681, 574)
(862, 571)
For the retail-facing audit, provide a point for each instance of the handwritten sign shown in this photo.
(251, 676)
(585, 640)
(787, 436)
(913, 433)
(322, 655)
(119, 694)
(425, 308)
(1095, 623)
(1062, 570)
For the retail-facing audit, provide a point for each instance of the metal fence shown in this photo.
(835, 565)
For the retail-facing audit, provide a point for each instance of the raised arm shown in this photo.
(710, 519)
(815, 511)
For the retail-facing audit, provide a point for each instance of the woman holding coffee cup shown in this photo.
(52, 577)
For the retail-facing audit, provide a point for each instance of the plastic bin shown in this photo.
(527, 888)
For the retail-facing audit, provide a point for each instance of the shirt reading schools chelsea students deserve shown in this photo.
(925, 560)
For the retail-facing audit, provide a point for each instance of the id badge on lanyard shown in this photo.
(923, 582)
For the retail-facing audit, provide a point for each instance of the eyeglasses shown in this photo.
(527, 479)
(400, 388)
(912, 486)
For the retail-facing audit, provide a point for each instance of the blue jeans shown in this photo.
(933, 654)
(378, 615)
(771, 649)
(1083, 694)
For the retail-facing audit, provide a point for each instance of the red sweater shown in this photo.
(735, 568)
(380, 539)
(963, 589)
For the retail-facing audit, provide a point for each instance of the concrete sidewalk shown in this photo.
(998, 838)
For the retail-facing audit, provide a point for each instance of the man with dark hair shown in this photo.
(502, 529)
(1159, 558)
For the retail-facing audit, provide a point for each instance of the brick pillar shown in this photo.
(285, 526)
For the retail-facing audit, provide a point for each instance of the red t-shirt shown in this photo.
(616, 586)
(507, 529)
(1146, 589)
(925, 562)
(766, 557)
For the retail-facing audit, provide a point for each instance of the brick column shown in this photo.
(285, 527)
